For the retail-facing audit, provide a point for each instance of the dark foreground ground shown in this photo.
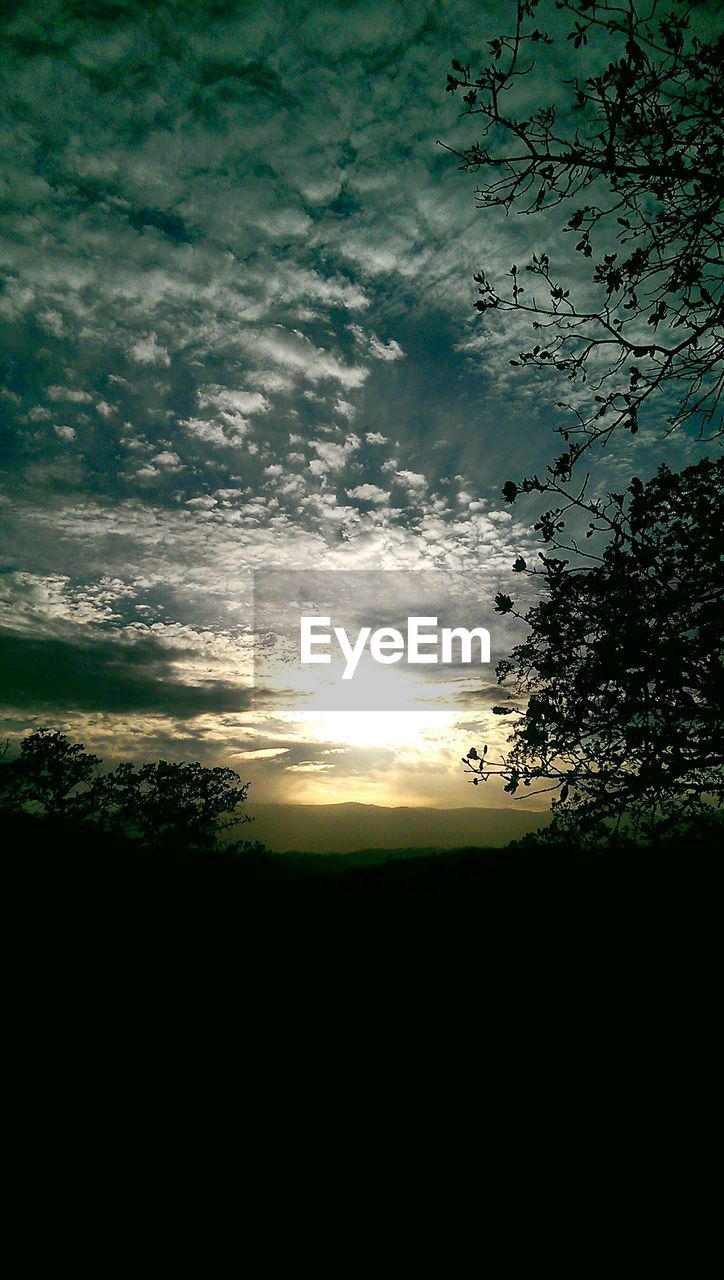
(76, 879)
(448, 1010)
(476, 957)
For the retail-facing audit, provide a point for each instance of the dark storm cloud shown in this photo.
(51, 674)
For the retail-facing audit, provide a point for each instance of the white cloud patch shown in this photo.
(228, 433)
(147, 350)
(412, 480)
(368, 493)
(291, 350)
(385, 351)
(52, 322)
(69, 394)
(374, 346)
(332, 457)
(233, 402)
(345, 408)
(205, 503)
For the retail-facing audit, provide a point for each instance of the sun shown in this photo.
(415, 730)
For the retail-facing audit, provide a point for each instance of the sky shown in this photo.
(238, 335)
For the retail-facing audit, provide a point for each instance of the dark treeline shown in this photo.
(161, 806)
(125, 878)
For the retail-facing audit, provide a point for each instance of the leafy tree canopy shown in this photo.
(161, 804)
(617, 693)
(49, 775)
(170, 803)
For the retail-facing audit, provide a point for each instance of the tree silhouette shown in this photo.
(635, 144)
(172, 804)
(51, 774)
(163, 804)
(618, 690)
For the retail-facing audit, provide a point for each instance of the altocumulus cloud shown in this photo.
(239, 321)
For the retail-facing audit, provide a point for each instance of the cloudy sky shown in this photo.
(238, 335)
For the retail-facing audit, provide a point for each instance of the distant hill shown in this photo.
(347, 828)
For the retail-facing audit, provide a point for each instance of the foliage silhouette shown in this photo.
(618, 690)
(47, 775)
(159, 805)
(166, 803)
(636, 148)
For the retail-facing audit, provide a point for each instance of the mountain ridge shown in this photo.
(350, 826)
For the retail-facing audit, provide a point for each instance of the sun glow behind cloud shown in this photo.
(400, 751)
(418, 732)
(239, 305)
